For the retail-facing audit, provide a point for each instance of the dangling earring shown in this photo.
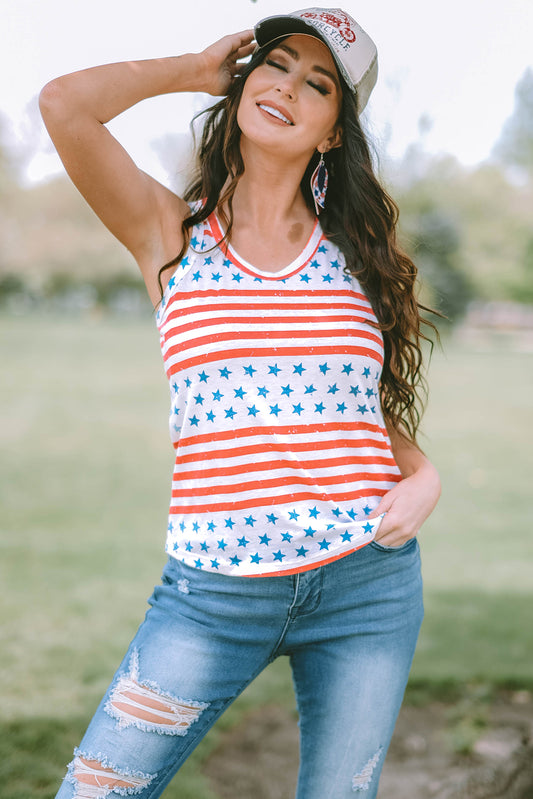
(319, 185)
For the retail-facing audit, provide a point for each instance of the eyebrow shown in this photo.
(296, 55)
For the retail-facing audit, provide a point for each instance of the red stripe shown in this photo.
(256, 320)
(279, 352)
(282, 430)
(276, 293)
(268, 335)
(277, 482)
(254, 449)
(258, 502)
(322, 463)
(266, 307)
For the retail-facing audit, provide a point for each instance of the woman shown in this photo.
(292, 347)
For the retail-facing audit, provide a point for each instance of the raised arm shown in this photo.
(144, 215)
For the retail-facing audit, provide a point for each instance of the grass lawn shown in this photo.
(84, 488)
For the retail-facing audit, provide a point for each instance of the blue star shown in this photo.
(226, 262)
(256, 558)
(171, 283)
(309, 532)
(250, 370)
(327, 278)
(298, 409)
(210, 416)
(352, 513)
(188, 382)
(324, 368)
(199, 399)
(275, 409)
(225, 372)
(182, 527)
(355, 390)
(320, 407)
(239, 392)
(194, 242)
(196, 277)
(185, 262)
(301, 552)
(211, 526)
(305, 278)
(230, 413)
(369, 393)
(217, 395)
(264, 539)
(346, 536)
(262, 391)
(252, 410)
(273, 370)
(330, 527)
(367, 510)
(287, 390)
(272, 518)
(198, 563)
(204, 547)
(315, 264)
(341, 407)
(221, 544)
(337, 512)
(314, 513)
(176, 411)
(175, 547)
(293, 515)
(195, 527)
(279, 555)
(286, 537)
(368, 527)
(324, 544)
(188, 546)
(235, 560)
(214, 564)
(236, 276)
(175, 387)
(298, 368)
(310, 389)
(347, 368)
(229, 523)
(347, 279)
(194, 421)
(208, 261)
(322, 248)
(250, 520)
(333, 389)
(203, 377)
(366, 372)
(335, 264)
(170, 527)
(243, 542)
(216, 276)
(362, 409)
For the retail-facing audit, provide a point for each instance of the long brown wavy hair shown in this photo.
(359, 217)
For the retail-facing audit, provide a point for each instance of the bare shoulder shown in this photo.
(166, 239)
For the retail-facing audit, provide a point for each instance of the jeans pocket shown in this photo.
(401, 548)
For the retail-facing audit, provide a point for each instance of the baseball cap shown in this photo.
(353, 50)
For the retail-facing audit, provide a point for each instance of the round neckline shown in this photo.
(298, 263)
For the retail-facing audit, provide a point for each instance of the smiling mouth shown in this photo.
(275, 113)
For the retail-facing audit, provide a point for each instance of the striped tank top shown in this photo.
(281, 448)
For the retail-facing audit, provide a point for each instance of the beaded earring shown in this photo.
(319, 185)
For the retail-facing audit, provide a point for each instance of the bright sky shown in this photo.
(457, 62)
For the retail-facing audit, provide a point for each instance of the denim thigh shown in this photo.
(349, 629)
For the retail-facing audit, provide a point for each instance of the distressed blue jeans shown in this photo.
(349, 629)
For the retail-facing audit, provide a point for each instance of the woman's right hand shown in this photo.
(221, 61)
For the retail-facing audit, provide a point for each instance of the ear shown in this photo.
(334, 140)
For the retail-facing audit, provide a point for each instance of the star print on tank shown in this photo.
(281, 449)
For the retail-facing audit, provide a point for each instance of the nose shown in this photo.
(287, 86)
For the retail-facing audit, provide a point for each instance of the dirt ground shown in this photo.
(438, 751)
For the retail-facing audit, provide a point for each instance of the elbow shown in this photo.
(53, 101)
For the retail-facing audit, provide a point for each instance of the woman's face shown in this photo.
(291, 102)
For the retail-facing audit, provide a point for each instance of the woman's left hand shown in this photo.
(407, 506)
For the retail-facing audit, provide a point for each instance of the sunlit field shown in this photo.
(84, 488)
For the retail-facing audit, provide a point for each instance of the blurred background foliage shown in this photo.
(469, 229)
